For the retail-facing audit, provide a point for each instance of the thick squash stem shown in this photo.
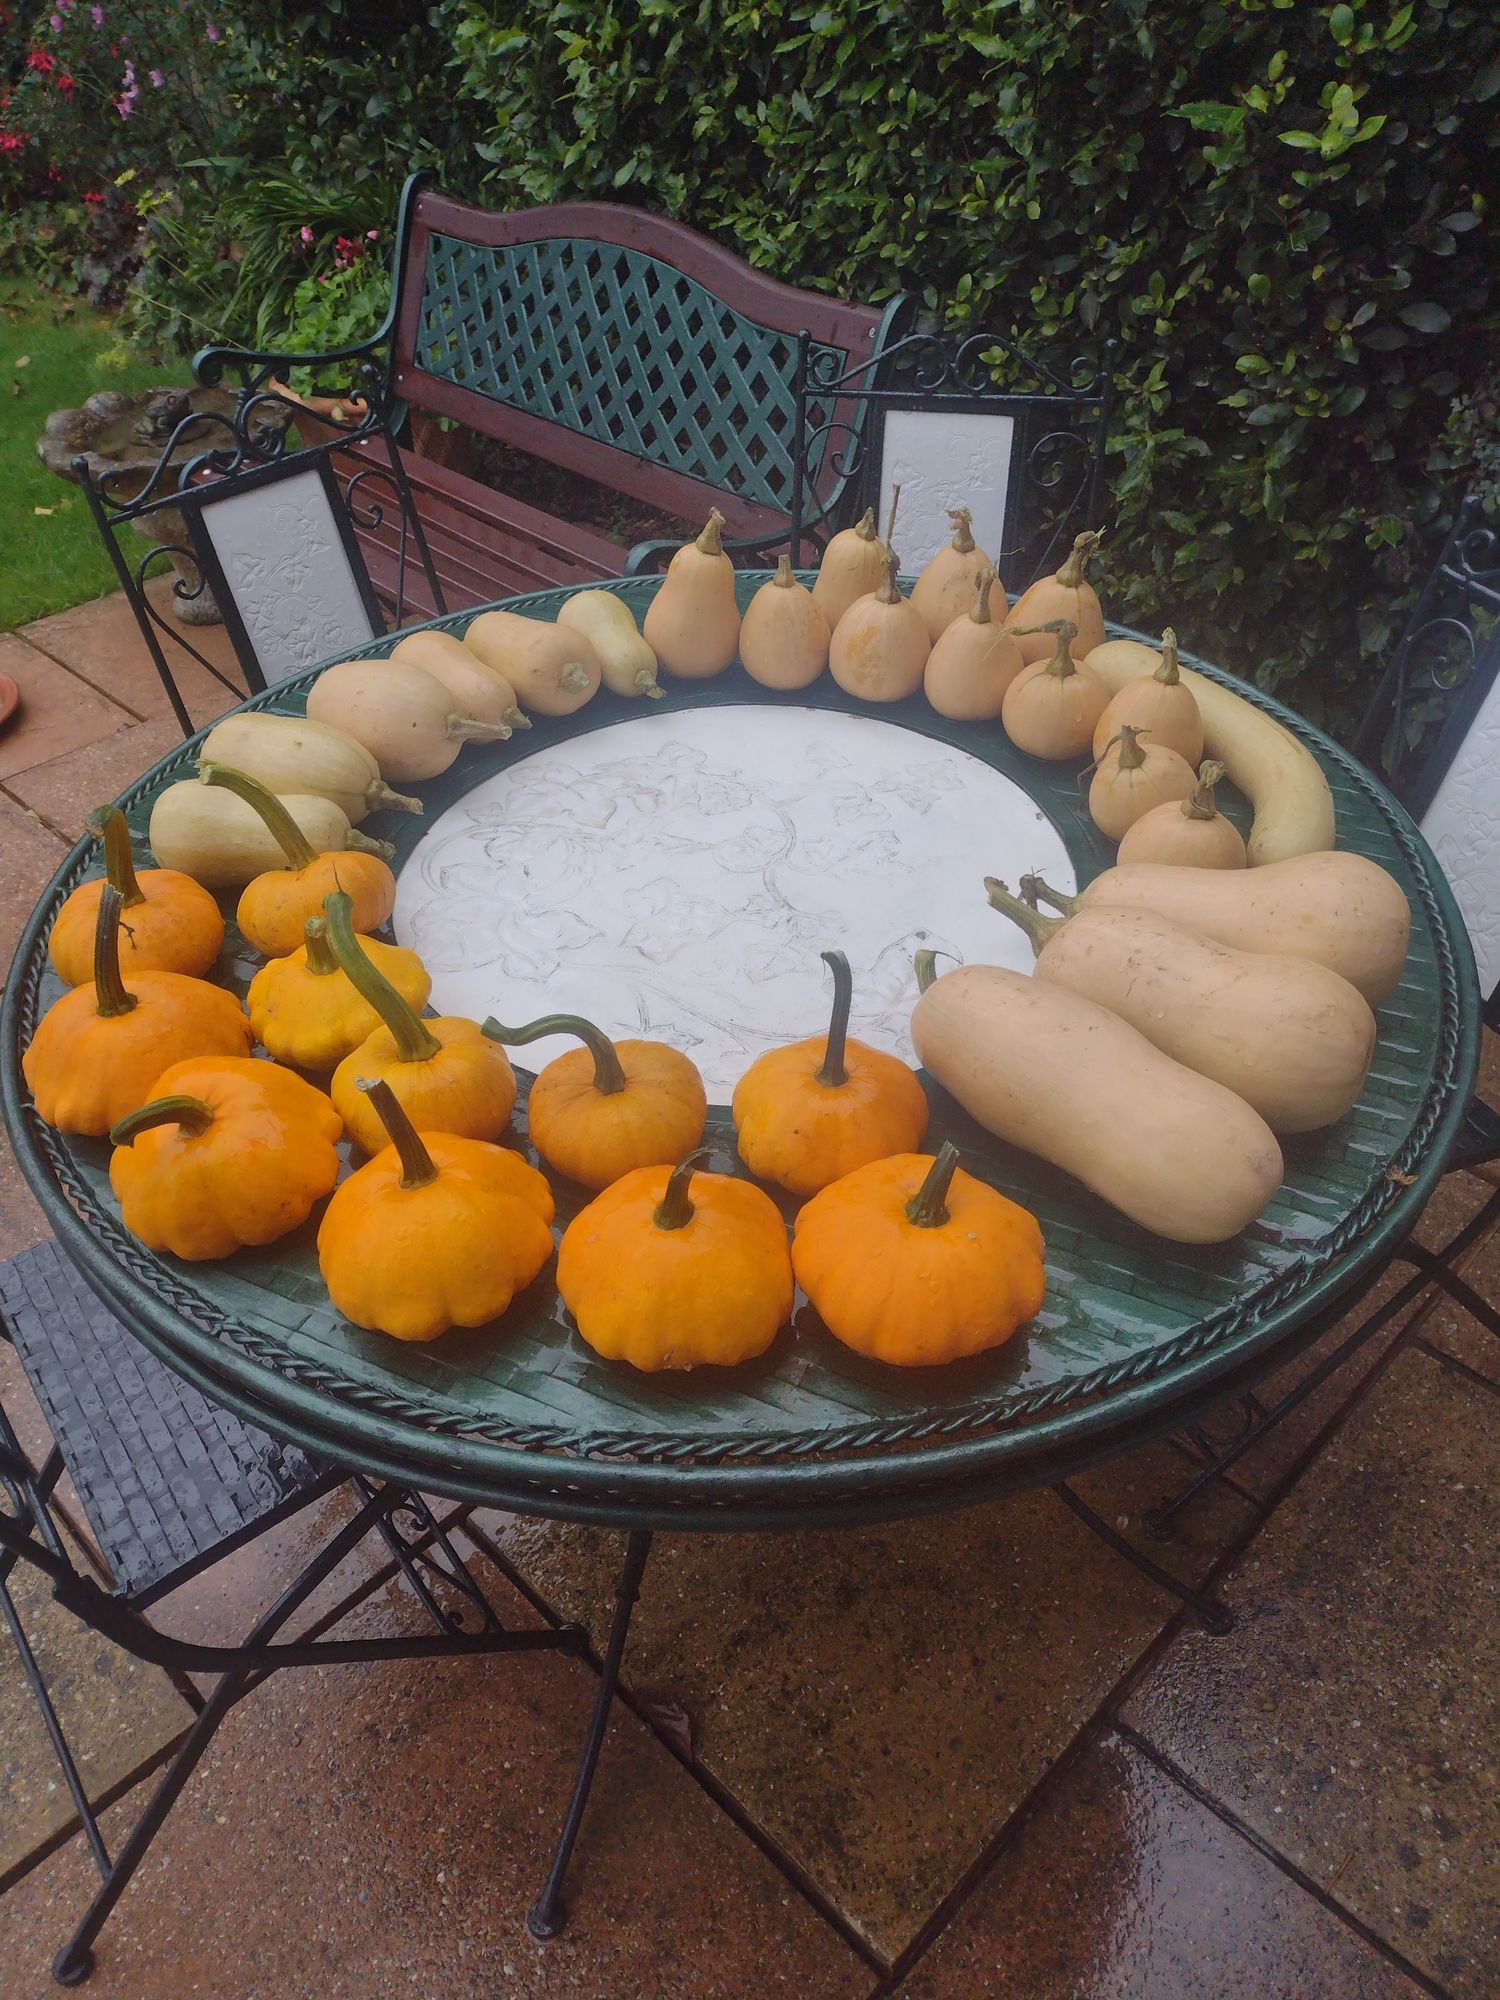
(1131, 756)
(834, 1071)
(1167, 672)
(1199, 804)
(1062, 662)
(888, 591)
(674, 1210)
(417, 1169)
(380, 798)
(1075, 566)
(710, 541)
(1033, 886)
(864, 527)
(320, 959)
(963, 537)
(647, 684)
(469, 729)
(928, 1207)
(1037, 927)
(609, 1071)
(924, 964)
(981, 612)
(414, 1043)
(119, 868)
(513, 719)
(356, 842)
(783, 579)
(189, 1114)
(110, 998)
(284, 830)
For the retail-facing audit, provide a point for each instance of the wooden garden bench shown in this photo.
(617, 345)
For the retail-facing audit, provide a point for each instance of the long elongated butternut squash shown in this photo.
(1337, 909)
(289, 753)
(1066, 1079)
(1280, 777)
(1289, 1036)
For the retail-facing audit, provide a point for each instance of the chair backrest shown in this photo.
(969, 421)
(1433, 728)
(621, 345)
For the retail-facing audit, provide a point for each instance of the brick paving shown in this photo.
(973, 1759)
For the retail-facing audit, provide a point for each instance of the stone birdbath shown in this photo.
(121, 438)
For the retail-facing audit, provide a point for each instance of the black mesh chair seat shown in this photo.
(167, 1481)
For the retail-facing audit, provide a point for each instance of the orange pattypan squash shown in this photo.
(436, 1231)
(227, 1152)
(169, 922)
(815, 1110)
(446, 1074)
(306, 1010)
(98, 1051)
(913, 1261)
(602, 1110)
(274, 907)
(673, 1268)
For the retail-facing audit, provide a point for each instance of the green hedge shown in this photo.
(1282, 211)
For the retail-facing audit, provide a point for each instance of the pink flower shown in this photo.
(66, 85)
(371, 234)
(157, 79)
(305, 233)
(56, 24)
(211, 31)
(125, 102)
(96, 15)
(12, 142)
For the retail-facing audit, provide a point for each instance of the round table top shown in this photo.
(666, 869)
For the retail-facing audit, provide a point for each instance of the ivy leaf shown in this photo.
(1427, 318)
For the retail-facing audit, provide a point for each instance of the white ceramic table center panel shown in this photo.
(676, 875)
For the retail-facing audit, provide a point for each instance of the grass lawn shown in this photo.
(51, 358)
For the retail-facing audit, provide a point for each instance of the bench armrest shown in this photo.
(210, 363)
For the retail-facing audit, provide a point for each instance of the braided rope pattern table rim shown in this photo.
(1443, 1102)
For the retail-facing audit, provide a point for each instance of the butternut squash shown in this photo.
(290, 753)
(784, 637)
(404, 718)
(1338, 909)
(693, 622)
(1281, 778)
(945, 589)
(1131, 778)
(880, 645)
(626, 662)
(1051, 706)
(1068, 594)
(474, 688)
(973, 661)
(1062, 1077)
(223, 843)
(1291, 1038)
(853, 565)
(1158, 703)
(553, 668)
(1192, 833)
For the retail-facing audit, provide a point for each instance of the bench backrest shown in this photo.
(623, 346)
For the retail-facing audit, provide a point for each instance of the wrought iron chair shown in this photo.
(269, 531)
(170, 1485)
(1433, 732)
(948, 419)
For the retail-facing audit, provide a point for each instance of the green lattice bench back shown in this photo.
(625, 347)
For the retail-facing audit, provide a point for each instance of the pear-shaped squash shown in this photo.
(852, 566)
(784, 637)
(693, 622)
(553, 668)
(1158, 702)
(476, 689)
(608, 623)
(973, 661)
(1193, 833)
(1068, 594)
(945, 589)
(880, 645)
(1051, 706)
(1131, 777)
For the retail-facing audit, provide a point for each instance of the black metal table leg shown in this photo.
(546, 1916)
(1213, 1615)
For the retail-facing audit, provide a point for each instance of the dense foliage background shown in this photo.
(1284, 211)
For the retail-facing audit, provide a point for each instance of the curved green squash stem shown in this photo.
(1200, 804)
(110, 998)
(356, 842)
(925, 965)
(1131, 756)
(834, 1071)
(417, 1169)
(119, 868)
(414, 1043)
(1037, 927)
(320, 959)
(674, 1210)
(1071, 572)
(1167, 673)
(1062, 662)
(980, 612)
(609, 1072)
(1032, 887)
(190, 1113)
(289, 837)
(928, 1207)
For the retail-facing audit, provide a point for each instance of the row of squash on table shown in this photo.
(1179, 1015)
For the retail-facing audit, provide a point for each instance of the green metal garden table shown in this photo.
(1137, 1335)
